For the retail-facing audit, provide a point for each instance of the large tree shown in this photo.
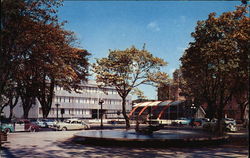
(218, 59)
(126, 70)
(37, 53)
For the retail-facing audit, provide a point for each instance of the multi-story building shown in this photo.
(79, 105)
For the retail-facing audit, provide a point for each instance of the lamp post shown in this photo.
(57, 111)
(193, 110)
(101, 102)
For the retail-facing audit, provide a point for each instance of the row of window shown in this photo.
(67, 111)
(91, 90)
(59, 99)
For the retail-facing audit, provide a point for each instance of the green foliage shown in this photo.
(138, 93)
(127, 69)
(218, 58)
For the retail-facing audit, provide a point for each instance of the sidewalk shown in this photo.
(58, 144)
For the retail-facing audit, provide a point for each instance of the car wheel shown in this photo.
(7, 130)
(64, 129)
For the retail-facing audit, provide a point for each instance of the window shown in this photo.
(87, 112)
(92, 100)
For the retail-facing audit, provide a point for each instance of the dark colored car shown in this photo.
(25, 125)
(198, 121)
(7, 127)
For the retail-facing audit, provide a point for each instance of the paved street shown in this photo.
(48, 144)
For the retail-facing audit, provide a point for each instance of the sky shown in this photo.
(164, 26)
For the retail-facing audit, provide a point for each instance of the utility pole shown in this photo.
(57, 111)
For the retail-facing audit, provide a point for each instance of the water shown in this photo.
(131, 134)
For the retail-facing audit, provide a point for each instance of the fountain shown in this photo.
(149, 136)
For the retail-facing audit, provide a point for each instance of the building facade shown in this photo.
(79, 105)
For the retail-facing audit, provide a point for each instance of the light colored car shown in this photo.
(25, 125)
(41, 123)
(182, 121)
(230, 121)
(229, 124)
(49, 122)
(72, 124)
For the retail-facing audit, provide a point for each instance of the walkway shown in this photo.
(55, 144)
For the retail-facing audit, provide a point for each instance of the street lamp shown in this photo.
(101, 102)
(57, 111)
(193, 110)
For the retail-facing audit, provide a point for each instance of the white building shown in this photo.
(78, 105)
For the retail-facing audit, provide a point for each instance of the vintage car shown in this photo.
(49, 122)
(6, 127)
(72, 124)
(41, 123)
(199, 121)
(228, 124)
(181, 121)
(25, 125)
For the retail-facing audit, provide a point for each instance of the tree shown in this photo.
(140, 95)
(17, 22)
(127, 69)
(69, 76)
(20, 20)
(37, 53)
(218, 59)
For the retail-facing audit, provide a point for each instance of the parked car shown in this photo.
(25, 125)
(41, 123)
(199, 121)
(230, 121)
(181, 121)
(229, 125)
(72, 124)
(7, 127)
(49, 122)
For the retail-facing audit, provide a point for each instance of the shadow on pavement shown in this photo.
(236, 147)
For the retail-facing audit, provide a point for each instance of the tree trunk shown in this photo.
(26, 112)
(210, 112)
(242, 110)
(27, 104)
(12, 106)
(11, 113)
(46, 98)
(124, 112)
(220, 126)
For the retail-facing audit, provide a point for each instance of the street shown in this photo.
(53, 144)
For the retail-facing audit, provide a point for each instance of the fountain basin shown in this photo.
(161, 138)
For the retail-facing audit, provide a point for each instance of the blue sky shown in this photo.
(165, 26)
